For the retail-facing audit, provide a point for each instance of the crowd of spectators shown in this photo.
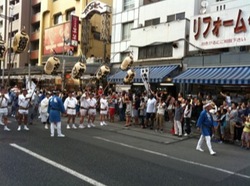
(156, 109)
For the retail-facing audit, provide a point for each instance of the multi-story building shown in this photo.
(49, 25)
(148, 29)
(15, 17)
(163, 34)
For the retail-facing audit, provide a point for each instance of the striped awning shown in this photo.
(156, 74)
(218, 75)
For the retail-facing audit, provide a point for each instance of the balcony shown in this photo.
(35, 2)
(164, 32)
(35, 18)
(34, 36)
(34, 54)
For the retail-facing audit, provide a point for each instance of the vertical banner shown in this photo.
(74, 30)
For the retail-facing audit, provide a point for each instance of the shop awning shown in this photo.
(218, 75)
(156, 74)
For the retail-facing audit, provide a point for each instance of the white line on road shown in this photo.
(174, 158)
(59, 166)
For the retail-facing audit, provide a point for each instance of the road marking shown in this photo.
(174, 158)
(59, 166)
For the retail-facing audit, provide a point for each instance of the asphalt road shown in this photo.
(115, 156)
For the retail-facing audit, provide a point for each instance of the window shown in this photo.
(156, 51)
(180, 16)
(57, 19)
(69, 13)
(173, 17)
(126, 30)
(15, 17)
(152, 22)
(128, 4)
(1, 9)
(170, 18)
(145, 2)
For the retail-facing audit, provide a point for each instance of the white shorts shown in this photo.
(92, 112)
(21, 111)
(4, 111)
(71, 111)
(83, 112)
(103, 112)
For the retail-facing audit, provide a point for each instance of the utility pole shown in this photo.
(10, 41)
(10, 19)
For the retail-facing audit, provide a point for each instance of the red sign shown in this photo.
(74, 30)
(54, 38)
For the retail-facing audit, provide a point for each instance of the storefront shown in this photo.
(159, 77)
(213, 80)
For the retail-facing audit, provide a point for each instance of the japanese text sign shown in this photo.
(221, 29)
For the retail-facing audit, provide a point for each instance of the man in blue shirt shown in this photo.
(55, 108)
(205, 123)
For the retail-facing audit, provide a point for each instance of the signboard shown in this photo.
(74, 30)
(95, 7)
(54, 37)
(221, 29)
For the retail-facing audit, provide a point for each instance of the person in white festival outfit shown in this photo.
(44, 110)
(103, 110)
(91, 110)
(70, 107)
(23, 103)
(4, 100)
(83, 109)
(205, 123)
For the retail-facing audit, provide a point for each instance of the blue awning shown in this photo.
(218, 75)
(156, 74)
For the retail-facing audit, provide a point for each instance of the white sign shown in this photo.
(95, 6)
(221, 29)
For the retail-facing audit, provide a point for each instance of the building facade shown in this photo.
(49, 25)
(15, 16)
(168, 37)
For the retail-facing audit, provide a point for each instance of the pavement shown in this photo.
(136, 131)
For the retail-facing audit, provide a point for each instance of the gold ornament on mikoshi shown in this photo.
(102, 72)
(129, 77)
(20, 42)
(51, 65)
(78, 70)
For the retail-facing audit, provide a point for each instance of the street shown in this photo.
(114, 155)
